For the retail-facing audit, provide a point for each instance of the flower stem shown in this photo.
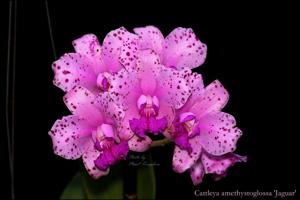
(160, 143)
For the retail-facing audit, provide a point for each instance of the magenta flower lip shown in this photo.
(137, 84)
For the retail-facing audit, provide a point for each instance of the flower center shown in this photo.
(148, 106)
(102, 81)
(111, 148)
(186, 127)
(188, 122)
(148, 122)
(104, 137)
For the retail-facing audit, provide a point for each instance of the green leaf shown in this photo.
(111, 186)
(146, 183)
(106, 187)
(74, 190)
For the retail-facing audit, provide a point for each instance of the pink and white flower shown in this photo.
(205, 137)
(90, 132)
(92, 64)
(140, 84)
(149, 93)
(179, 50)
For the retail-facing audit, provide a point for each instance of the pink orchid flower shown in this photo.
(90, 133)
(205, 137)
(140, 84)
(149, 93)
(179, 50)
(92, 64)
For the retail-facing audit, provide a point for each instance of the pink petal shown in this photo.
(88, 45)
(128, 51)
(172, 87)
(125, 131)
(125, 88)
(182, 160)
(74, 69)
(88, 157)
(220, 164)
(107, 131)
(213, 99)
(187, 116)
(120, 150)
(70, 137)
(196, 85)
(182, 141)
(157, 125)
(138, 144)
(148, 61)
(149, 67)
(80, 102)
(218, 134)
(112, 110)
(182, 49)
(105, 160)
(124, 91)
(150, 37)
(197, 173)
(112, 48)
(138, 126)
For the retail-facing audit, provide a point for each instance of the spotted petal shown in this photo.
(197, 172)
(218, 134)
(182, 49)
(124, 92)
(89, 46)
(213, 99)
(172, 87)
(149, 68)
(128, 51)
(139, 144)
(125, 131)
(112, 110)
(114, 53)
(80, 102)
(70, 137)
(150, 37)
(182, 160)
(196, 86)
(89, 156)
(219, 164)
(124, 88)
(74, 69)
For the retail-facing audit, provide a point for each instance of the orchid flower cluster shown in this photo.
(140, 84)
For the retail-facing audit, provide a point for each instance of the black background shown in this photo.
(248, 51)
